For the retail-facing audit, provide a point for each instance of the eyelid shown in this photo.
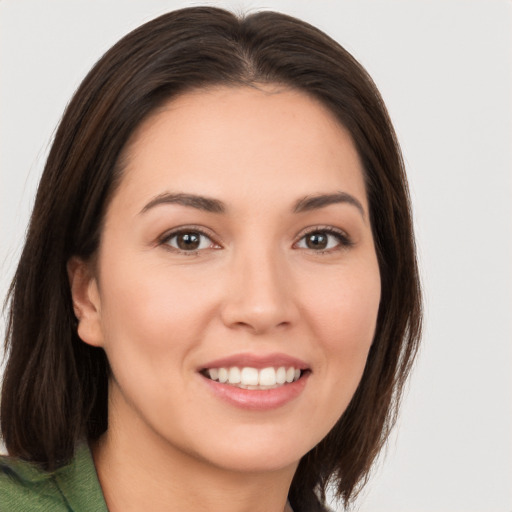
(187, 228)
(345, 241)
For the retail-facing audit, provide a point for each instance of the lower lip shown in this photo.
(258, 399)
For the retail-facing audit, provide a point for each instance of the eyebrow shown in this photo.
(317, 201)
(209, 204)
(200, 202)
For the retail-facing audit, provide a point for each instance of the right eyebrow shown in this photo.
(318, 201)
(207, 204)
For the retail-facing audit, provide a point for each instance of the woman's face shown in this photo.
(237, 246)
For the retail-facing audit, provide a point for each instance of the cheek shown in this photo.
(149, 314)
(342, 311)
(344, 315)
(346, 308)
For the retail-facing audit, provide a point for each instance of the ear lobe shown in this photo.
(86, 301)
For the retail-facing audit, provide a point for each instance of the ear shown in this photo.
(86, 301)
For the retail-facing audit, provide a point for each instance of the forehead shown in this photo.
(247, 140)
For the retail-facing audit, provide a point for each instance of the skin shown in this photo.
(254, 286)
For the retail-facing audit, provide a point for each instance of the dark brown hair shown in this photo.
(55, 386)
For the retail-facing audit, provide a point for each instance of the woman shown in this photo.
(217, 304)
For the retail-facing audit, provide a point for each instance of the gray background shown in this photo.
(444, 68)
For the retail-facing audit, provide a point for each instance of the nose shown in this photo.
(260, 294)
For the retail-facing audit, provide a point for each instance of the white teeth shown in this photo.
(252, 378)
(223, 375)
(249, 377)
(267, 377)
(234, 375)
(281, 375)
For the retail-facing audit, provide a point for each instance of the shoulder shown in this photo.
(25, 487)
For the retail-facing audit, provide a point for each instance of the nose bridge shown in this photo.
(259, 296)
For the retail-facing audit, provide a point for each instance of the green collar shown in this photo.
(79, 480)
(76, 483)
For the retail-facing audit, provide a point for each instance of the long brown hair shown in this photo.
(55, 386)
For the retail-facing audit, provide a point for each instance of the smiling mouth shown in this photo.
(254, 378)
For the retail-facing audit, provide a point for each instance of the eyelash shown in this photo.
(165, 240)
(343, 240)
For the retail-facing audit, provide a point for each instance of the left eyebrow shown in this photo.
(317, 201)
(194, 201)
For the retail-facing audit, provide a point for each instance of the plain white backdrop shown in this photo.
(444, 68)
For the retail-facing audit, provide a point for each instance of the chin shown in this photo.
(258, 463)
(247, 456)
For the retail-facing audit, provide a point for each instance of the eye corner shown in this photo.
(323, 240)
(194, 240)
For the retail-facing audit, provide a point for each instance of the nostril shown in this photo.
(257, 300)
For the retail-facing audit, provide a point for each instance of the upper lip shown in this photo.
(256, 361)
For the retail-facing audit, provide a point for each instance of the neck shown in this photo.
(142, 473)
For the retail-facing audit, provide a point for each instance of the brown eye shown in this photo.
(189, 241)
(324, 240)
(316, 241)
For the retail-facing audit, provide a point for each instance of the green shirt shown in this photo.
(72, 488)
